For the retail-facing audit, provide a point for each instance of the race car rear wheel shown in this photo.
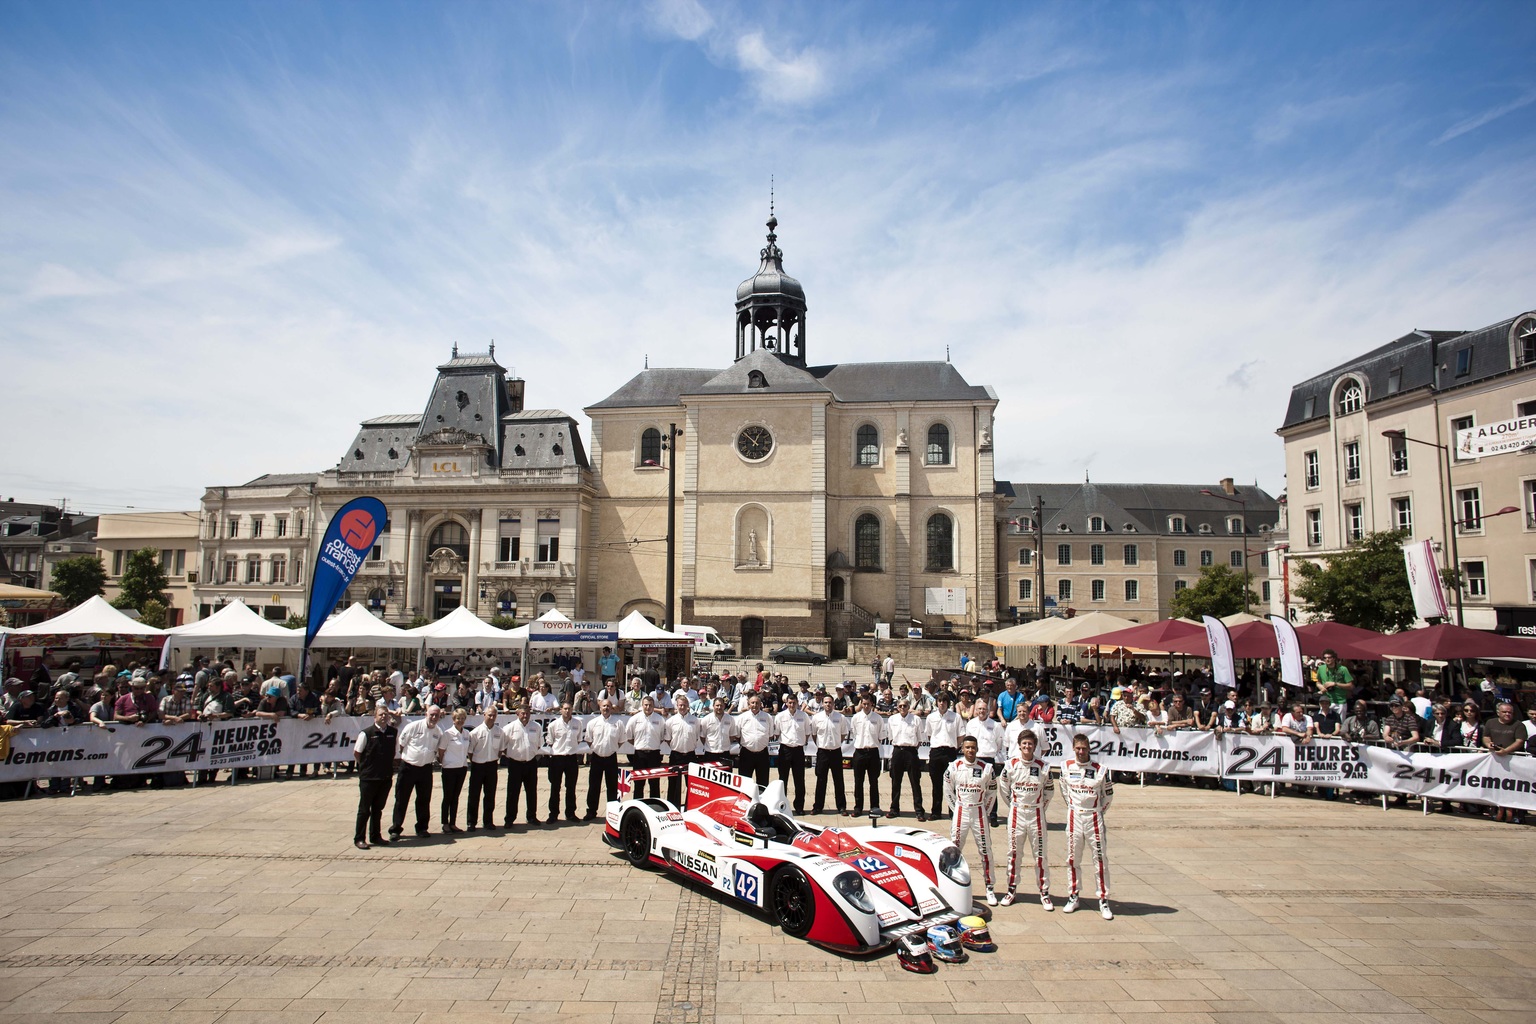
(793, 901)
(635, 837)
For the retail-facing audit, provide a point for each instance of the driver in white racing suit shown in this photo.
(971, 789)
(1026, 785)
(1087, 789)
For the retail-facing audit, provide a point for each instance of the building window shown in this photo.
(1096, 590)
(1469, 508)
(1133, 590)
(1235, 559)
(1027, 555)
(1402, 515)
(509, 540)
(941, 542)
(1180, 558)
(1235, 524)
(1464, 361)
(1351, 399)
(1132, 555)
(650, 447)
(867, 441)
(1096, 525)
(506, 602)
(1026, 590)
(279, 569)
(231, 570)
(181, 562)
(377, 554)
(1309, 408)
(549, 540)
(1176, 524)
(298, 525)
(1179, 585)
(1063, 554)
(1354, 521)
(1264, 591)
(1314, 526)
(450, 535)
(1264, 559)
(1397, 447)
(1476, 574)
(1394, 381)
(279, 526)
(938, 445)
(1312, 470)
(1063, 590)
(376, 596)
(253, 569)
(1530, 503)
(117, 562)
(255, 526)
(1459, 424)
(866, 541)
(234, 526)
(1207, 559)
(1352, 462)
(1096, 554)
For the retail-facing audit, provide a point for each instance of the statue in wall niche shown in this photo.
(751, 558)
(901, 438)
(986, 437)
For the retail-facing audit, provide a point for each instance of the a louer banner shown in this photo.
(348, 541)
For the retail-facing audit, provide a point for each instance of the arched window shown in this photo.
(1351, 398)
(650, 447)
(376, 598)
(546, 602)
(868, 445)
(506, 603)
(452, 536)
(938, 445)
(1096, 524)
(941, 542)
(866, 541)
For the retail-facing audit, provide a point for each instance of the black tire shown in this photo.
(635, 838)
(817, 661)
(792, 902)
(778, 661)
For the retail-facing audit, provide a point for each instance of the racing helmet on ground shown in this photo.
(912, 953)
(944, 944)
(974, 935)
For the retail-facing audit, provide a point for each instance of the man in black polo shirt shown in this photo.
(375, 756)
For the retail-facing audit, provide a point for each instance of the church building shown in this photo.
(812, 500)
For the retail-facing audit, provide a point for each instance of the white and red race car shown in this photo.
(849, 889)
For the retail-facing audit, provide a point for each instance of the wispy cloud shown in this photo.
(1475, 122)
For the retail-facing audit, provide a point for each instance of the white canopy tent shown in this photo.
(462, 628)
(1052, 632)
(356, 626)
(235, 625)
(521, 632)
(95, 617)
(639, 630)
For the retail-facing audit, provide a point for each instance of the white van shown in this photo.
(706, 641)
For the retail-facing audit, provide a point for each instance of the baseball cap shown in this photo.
(1117, 693)
(1395, 700)
(26, 693)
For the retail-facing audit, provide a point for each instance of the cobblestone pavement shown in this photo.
(250, 904)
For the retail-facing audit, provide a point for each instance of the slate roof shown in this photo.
(283, 480)
(917, 381)
(1129, 509)
(541, 439)
(1421, 359)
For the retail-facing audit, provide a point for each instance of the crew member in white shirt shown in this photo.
(944, 727)
(717, 729)
(793, 726)
(645, 734)
(907, 732)
(455, 762)
(486, 743)
(418, 747)
(989, 744)
(605, 733)
(755, 727)
(522, 740)
(868, 730)
(682, 732)
(564, 737)
(830, 728)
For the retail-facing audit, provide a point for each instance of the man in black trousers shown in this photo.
(374, 753)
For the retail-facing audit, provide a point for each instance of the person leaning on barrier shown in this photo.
(1180, 714)
(1503, 736)
(1400, 729)
(1297, 724)
(1361, 726)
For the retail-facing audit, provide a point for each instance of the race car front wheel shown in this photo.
(793, 902)
(635, 836)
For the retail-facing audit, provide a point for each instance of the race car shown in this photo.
(854, 890)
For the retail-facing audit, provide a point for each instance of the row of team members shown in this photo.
(973, 790)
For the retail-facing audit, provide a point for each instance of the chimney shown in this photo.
(1226, 485)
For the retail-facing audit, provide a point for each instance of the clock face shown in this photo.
(754, 443)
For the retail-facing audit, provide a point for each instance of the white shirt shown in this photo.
(868, 730)
(1301, 724)
(544, 702)
(1015, 729)
(793, 728)
(455, 747)
(944, 729)
(606, 735)
(486, 742)
(564, 737)
(905, 731)
(577, 675)
(645, 732)
(522, 742)
(989, 737)
(717, 731)
(755, 730)
(682, 731)
(417, 743)
(829, 730)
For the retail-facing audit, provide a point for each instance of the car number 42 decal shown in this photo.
(746, 887)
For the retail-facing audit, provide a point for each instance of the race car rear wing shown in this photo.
(706, 782)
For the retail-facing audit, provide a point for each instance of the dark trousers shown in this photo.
(904, 766)
(600, 770)
(644, 760)
(482, 791)
(522, 781)
(753, 763)
(866, 770)
(372, 797)
(562, 769)
(939, 760)
(722, 758)
(677, 783)
(792, 766)
(829, 762)
(417, 780)
(453, 787)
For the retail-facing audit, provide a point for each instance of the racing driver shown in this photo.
(1087, 789)
(1026, 785)
(971, 789)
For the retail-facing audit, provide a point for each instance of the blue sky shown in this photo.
(229, 232)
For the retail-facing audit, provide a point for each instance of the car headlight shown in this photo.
(851, 886)
(954, 866)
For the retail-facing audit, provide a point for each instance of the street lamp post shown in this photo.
(1450, 508)
(1243, 503)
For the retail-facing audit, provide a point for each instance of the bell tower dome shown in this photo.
(770, 306)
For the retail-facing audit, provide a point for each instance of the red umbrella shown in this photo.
(1446, 642)
(1329, 634)
(1153, 636)
(1257, 640)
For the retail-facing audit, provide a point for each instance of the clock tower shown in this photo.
(770, 307)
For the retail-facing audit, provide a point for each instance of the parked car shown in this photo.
(797, 653)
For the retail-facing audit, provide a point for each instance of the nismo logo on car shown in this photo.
(695, 863)
(716, 775)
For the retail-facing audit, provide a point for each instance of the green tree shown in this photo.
(1218, 592)
(503, 621)
(418, 621)
(296, 621)
(153, 613)
(1365, 585)
(77, 580)
(143, 581)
